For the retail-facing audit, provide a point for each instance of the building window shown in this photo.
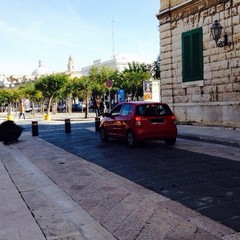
(192, 55)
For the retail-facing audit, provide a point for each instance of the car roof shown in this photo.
(144, 102)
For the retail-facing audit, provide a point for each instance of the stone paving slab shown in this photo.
(124, 209)
(58, 216)
(16, 221)
(198, 181)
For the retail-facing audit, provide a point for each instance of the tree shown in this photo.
(133, 77)
(9, 96)
(51, 86)
(34, 95)
(68, 93)
(6, 96)
(99, 76)
(83, 87)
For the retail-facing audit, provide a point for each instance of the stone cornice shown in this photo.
(189, 7)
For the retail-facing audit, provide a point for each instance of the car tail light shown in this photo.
(174, 121)
(138, 121)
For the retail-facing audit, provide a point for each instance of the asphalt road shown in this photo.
(207, 184)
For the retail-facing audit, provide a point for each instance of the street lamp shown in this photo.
(216, 31)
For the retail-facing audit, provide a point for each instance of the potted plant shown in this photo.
(10, 132)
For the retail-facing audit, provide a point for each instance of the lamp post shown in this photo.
(113, 39)
(216, 31)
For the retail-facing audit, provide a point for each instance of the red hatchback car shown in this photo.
(138, 121)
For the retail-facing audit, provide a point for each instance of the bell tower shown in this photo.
(70, 66)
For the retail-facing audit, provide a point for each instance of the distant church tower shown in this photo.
(70, 66)
(40, 63)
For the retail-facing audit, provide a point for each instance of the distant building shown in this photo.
(40, 70)
(119, 62)
(4, 81)
(200, 80)
(71, 68)
(14, 80)
(10, 81)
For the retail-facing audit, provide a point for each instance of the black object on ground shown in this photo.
(10, 132)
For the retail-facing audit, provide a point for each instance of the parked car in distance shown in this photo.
(36, 108)
(139, 121)
(61, 108)
(28, 109)
(77, 107)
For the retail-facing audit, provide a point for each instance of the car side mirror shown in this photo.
(107, 115)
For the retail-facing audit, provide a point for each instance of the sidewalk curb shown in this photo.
(209, 140)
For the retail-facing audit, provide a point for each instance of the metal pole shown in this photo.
(97, 123)
(113, 43)
(67, 125)
(34, 128)
(109, 99)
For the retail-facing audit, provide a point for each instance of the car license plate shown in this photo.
(157, 121)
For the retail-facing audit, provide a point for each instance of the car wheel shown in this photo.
(103, 135)
(131, 140)
(170, 142)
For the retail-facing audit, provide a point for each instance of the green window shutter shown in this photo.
(197, 55)
(192, 55)
(187, 58)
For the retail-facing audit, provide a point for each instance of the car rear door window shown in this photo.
(153, 110)
(126, 110)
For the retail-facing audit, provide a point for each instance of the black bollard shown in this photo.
(97, 124)
(34, 128)
(67, 125)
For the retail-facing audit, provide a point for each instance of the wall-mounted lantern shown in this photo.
(216, 31)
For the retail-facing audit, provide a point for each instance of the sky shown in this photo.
(52, 30)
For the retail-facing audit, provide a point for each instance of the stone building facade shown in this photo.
(200, 81)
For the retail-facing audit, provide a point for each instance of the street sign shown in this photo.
(121, 95)
(109, 83)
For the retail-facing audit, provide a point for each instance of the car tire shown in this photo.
(170, 142)
(103, 135)
(131, 140)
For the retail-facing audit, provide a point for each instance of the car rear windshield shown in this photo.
(153, 110)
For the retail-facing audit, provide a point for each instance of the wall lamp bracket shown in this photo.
(216, 31)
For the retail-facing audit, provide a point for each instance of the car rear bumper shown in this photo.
(144, 134)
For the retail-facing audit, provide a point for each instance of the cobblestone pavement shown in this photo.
(207, 184)
(126, 191)
(71, 198)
